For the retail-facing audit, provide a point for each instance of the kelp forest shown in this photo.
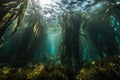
(60, 40)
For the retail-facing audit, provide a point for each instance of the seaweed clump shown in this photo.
(106, 69)
(37, 72)
(52, 72)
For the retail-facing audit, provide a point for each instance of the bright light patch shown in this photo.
(44, 2)
(98, 5)
(84, 4)
(117, 2)
(52, 49)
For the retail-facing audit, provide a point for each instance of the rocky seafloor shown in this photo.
(105, 69)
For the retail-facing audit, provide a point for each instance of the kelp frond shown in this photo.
(11, 11)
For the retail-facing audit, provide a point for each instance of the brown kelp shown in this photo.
(11, 11)
(34, 33)
(70, 44)
(102, 33)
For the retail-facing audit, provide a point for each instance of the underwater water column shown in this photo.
(71, 47)
(52, 38)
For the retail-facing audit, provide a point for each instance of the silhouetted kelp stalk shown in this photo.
(100, 36)
(27, 41)
(34, 33)
(100, 30)
(70, 46)
(37, 27)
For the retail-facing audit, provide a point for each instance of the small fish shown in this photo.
(71, 3)
(64, 1)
